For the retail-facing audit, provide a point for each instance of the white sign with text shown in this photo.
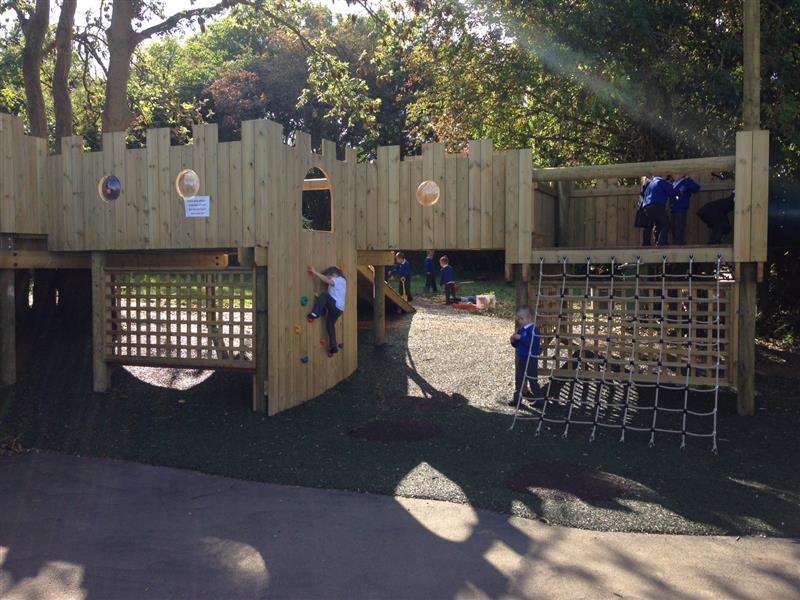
(198, 206)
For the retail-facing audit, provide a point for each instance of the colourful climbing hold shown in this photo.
(304, 360)
(341, 346)
(298, 329)
(323, 341)
(303, 300)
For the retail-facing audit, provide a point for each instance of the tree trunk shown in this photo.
(122, 41)
(62, 102)
(35, 30)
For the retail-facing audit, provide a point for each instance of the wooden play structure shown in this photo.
(166, 292)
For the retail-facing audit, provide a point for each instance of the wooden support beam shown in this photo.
(379, 306)
(375, 257)
(174, 260)
(8, 329)
(260, 256)
(40, 259)
(746, 350)
(686, 165)
(99, 366)
(261, 338)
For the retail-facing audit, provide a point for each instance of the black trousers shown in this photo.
(450, 292)
(430, 282)
(718, 230)
(531, 384)
(325, 305)
(657, 214)
(679, 228)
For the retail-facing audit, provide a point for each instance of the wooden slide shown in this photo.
(366, 278)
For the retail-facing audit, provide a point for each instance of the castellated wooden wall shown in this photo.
(485, 201)
(23, 179)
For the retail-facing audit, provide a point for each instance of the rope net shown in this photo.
(633, 347)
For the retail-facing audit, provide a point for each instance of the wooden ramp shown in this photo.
(366, 278)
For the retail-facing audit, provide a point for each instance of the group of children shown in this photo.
(675, 192)
(447, 276)
(658, 193)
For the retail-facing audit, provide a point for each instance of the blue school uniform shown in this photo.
(428, 266)
(527, 379)
(659, 191)
(684, 188)
(448, 275)
(402, 269)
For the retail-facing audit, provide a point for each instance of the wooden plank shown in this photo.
(7, 195)
(499, 201)
(375, 257)
(101, 374)
(512, 198)
(759, 197)
(462, 212)
(118, 168)
(8, 330)
(237, 235)
(223, 204)
(210, 158)
(42, 259)
(417, 210)
(405, 205)
(248, 183)
(618, 171)
(140, 235)
(451, 203)
(428, 174)
(361, 205)
(525, 187)
(372, 206)
(744, 187)
(474, 195)
(393, 196)
(260, 386)
(382, 207)
(487, 206)
(20, 185)
(439, 209)
(196, 259)
(154, 181)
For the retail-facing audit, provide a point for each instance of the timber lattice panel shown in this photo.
(620, 341)
(180, 318)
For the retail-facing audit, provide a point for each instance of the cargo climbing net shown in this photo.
(630, 347)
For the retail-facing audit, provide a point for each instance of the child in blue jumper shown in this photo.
(430, 276)
(402, 268)
(684, 187)
(329, 303)
(447, 277)
(526, 340)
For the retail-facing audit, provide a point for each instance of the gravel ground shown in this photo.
(445, 368)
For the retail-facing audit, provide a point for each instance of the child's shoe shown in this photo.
(332, 351)
(312, 316)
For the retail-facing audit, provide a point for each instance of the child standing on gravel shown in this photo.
(330, 303)
(526, 340)
(430, 276)
(447, 277)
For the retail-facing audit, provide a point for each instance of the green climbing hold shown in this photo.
(303, 300)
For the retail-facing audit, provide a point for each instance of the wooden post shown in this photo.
(260, 342)
(99, 365)
(246, 257)
(746, 352)
(379, 306)
(520, 287)
(751, 109)
(751, 116)
(8, 329)
(562, 214)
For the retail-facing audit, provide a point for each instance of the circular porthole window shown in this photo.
(109, 188)
(428, 193)
(187, 183)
